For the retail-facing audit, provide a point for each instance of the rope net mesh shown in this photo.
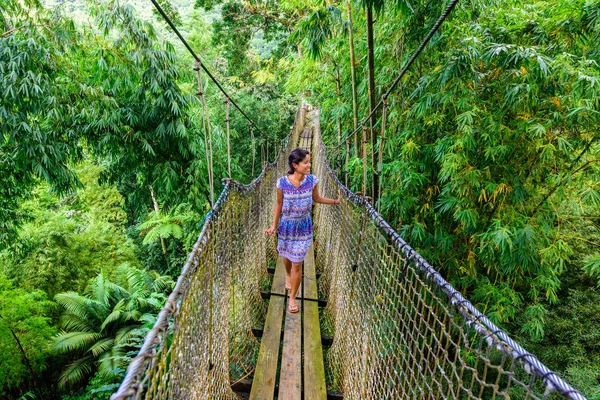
(400, 331)
(203, 341)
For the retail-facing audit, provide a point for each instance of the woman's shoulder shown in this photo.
(313, 179)
(281, 181)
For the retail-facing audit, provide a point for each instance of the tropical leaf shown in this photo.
(101, 346)
(76, 372)
(75, 341)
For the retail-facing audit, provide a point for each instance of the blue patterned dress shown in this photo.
(295, 229)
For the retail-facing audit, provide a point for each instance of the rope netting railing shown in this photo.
(203, 341)
(400, 330)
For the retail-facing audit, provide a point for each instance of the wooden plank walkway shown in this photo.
(302, 372)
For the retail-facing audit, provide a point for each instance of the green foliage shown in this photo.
(101, 326)
(490, 168)
(36, 139)
(78, 96)
(169, 10)
(573, 332)
(70, 239)
(69, 89)
(486, 150)
(592, 266)
(317, 28)
(100, 387)
(22, 314)
(159, 226)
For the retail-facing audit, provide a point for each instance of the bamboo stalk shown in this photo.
(353, 74)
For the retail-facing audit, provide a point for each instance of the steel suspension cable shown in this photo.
(412, 59)
(207, 129)
(210, 75)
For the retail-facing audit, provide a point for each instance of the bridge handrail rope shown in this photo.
(137, 377)
(482, 323)
(403, 329)
(492, 334)
(185, 355)
(412, 59)
(200, 63)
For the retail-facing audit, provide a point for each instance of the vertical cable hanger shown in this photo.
(201, 65)
(381, 148)
(261, 139)
(346, 162)
(253, 147)
(228, 137)
(207, 135)
(364, 154)
(267, 152)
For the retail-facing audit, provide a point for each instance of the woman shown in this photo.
(295, 193)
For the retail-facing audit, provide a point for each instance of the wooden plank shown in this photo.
(290, 376)
(279, 281)
(314, 369)
(263, 384)
(310, 275)
(279, 278)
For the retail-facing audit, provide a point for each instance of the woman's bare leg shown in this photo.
(295, 281)
(288, 272)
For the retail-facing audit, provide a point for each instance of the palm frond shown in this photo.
(70, 341)
(114, 316)
(74, 304)
(76, 372)
(111, 360)
(97, 289)
(125, 333)
(72, 322)
(102, 346)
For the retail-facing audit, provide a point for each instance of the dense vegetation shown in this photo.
(490, 163)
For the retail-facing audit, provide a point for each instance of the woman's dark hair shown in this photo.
(295, 157)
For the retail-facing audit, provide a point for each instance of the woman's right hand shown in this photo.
(270, 231)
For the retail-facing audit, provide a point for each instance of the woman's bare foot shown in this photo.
(293, 307)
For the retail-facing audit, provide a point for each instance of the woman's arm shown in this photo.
(323, 200)
(277, 213)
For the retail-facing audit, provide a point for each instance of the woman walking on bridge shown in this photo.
(295, 193)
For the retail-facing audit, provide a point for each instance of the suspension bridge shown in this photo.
(393, 327)
(376, 320)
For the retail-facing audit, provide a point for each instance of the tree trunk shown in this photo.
(162, 240)
(353, 74)
(372, 98)
(22, 350)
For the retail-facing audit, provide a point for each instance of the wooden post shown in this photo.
(371, 69)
